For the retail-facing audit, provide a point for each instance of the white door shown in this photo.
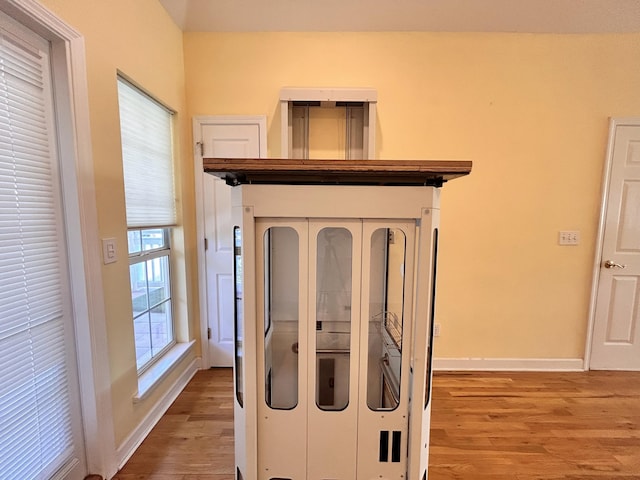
(616, 331)
(40, 405)
(222, 137)
(335, 253)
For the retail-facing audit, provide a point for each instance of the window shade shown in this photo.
(147, 159)
(35, 413)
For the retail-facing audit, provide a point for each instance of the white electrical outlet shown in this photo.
(569, 237)
(436, 330)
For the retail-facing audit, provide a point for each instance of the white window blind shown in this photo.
(35, 416)
(147, 159)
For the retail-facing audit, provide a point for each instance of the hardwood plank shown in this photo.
(288, 171)
(485, 426)
(572, 426)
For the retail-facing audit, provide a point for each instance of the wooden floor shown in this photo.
(485, 426)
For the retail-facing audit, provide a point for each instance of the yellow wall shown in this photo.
(531, 111)
(139, 39)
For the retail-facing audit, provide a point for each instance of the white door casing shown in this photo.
(222, 137)
(615, 339)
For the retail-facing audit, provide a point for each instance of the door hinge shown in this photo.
(206, 244)
(208, 333)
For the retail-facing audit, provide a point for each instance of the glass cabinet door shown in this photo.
(333, 317)
(238, 317)
(386, 318)
(281, 301)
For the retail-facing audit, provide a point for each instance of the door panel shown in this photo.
(616, 331)
(628, 231)
(388, 257)
(281, 270)
(335, 254)
(223, 330)
(224, 138)
(623, 310)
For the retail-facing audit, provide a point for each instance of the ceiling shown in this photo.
(532, 16)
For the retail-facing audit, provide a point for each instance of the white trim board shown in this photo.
(135, 439)
(509, 364)
(292, 94)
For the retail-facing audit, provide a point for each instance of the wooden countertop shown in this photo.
(236, 171)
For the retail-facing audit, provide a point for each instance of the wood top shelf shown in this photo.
(237, 171)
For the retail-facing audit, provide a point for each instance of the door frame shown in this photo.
(614, 123)
(198, 122)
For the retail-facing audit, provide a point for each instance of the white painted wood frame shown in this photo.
(368, 96)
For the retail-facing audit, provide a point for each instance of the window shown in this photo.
(146, 132)
(149, 261)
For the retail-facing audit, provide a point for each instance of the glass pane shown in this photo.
(386, 310)
(333, 318)
(161, 327)
(142, 332)
(267, 280)
(153, 239)
(281, 307)
(238, 313)
(139, 297)
(158, 280)
(134, 240)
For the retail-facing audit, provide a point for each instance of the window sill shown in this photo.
(150, 379)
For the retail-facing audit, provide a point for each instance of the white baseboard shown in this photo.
(133, 441)
(509, 364)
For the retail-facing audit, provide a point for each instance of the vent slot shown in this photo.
(384, 446)
(395, 446)
(326, 382)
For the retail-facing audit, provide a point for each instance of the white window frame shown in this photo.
(144, 256)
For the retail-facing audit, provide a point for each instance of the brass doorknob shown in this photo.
(610, 264)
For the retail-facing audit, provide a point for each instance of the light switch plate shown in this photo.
(109, 250)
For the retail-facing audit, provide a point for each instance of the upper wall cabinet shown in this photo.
(328, 123)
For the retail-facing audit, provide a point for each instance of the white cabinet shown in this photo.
(334, 294)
